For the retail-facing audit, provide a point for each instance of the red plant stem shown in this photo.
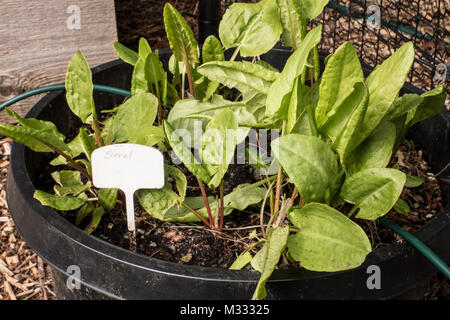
(205, 199)
(221, 205)
(72, 162)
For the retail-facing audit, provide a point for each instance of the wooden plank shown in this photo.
(38, 38)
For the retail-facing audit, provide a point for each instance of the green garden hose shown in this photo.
(60, 87)
(419, 245)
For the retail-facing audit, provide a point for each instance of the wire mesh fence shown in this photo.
(378, 27)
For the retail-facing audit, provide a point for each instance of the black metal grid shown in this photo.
(424, 22)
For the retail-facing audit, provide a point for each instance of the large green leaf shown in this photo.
(384, 84)
(373, 191)
(347, 136)
(343, 70)
(79, 87)
(180, 35)
(134, 119)
(254, 27)
(181, 147)
(38, 135)
(139, 83)
(292, 22)
(158, 201)
(65, 203)
(374, 152)
(278, 97)
(126, 54)
(432, 104)
(338, 118)
(249, 78)
(310, 164)
(326, 239)
(212, 50)
(97, 215)
(190, 109)
(267, 259)
(218, 144)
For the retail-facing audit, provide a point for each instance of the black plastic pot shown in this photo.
(108, 271)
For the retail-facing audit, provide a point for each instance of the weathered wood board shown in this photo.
(39, 37)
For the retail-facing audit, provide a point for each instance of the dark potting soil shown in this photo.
(197, 245)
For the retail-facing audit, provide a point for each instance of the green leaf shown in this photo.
(278, 97)
(65, 203)
(212, 50)
(404, 104)
(310, 9)
(327, 240)
(190, 109)
(247, 77)
(85, 210)
(126, 54)
(384, 84)
(432, 104)
(82, 143)
(374, 152)
(134, 119)
(38, 135)
(243, 196)
(254, 27)
(107, 198)
(241, 261)
(310, 164)
(218, 144)
(401, 207)
(139, 83)
(95, 220)
(373, 191)
(182, 214)
(347, 136)
(342, 72)
(181, 148)
(269, 258)
(292, 23)
(180, 35)
(69, 183)
(240, 198)
(158, 201)
(413, 181)
(79, 87)
(144, 48)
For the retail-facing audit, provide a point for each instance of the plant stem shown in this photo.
(198, 215)
(261, 213)
(72, 162)
(221, 212)
(279, 178)
(190, 80)
(235, 53)
(205, 199)
(97, 132)
(352, 211)
(316, 63)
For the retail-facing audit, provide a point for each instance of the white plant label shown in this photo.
(128, 167)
